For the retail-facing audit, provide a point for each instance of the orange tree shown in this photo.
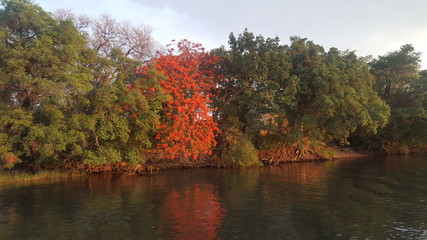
(187, 129)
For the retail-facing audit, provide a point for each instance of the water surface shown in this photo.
(370, 198)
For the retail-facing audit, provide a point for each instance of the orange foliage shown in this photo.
(10, 159)
(187, 128)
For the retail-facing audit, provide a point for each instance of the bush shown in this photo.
(134, 157)
(242, 153)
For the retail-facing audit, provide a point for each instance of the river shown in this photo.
(367, 198)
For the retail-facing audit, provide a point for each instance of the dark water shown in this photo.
(349, 199)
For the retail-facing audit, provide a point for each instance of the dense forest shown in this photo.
(87, 92)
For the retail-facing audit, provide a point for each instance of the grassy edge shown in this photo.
(16, 176)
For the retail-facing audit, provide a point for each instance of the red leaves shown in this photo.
(188, 128)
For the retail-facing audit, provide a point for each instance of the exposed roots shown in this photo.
(282, 154)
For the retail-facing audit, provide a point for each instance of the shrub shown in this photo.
(242, 153)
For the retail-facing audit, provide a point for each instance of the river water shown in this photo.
(368, 198)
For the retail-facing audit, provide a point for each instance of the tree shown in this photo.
(40, 55)
(118, 117)
(404, 87)
(396, 73)
(256, 72)
(256, 85)
(335, 96)
(63, 101)
(42, 73)
(296, 94)
(187, 128)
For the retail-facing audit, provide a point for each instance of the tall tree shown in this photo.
(62, 100)
(256, 72)
(297, 92)
(43, 71)
(396, 73)
(187, 128)
(119, 116)
(335, 96)
(400, 82)
(256, 85)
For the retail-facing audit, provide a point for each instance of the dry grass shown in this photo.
(15, 176)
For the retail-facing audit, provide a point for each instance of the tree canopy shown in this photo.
(187, 128)
(403, 86)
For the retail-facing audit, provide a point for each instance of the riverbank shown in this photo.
(336, 152)
(341, 152)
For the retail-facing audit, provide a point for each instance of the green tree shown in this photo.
(120, 116)
(297, 94)
(334, 94)
(62, 100)
(256, 84)
(397, 73)
(42, 72)
(120, 113)
(256, 72)
(400, 82)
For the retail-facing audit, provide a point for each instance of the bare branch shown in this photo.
(106, 34)
(81, 22)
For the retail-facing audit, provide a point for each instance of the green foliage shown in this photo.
(64, 101)
(408, 126)
(123, 108)
(396, 73)
(40, 57)
(13, 125)
(42, 71)
(237, 149)
(144, 103)
(134, 157)
(242, 153)
(400, 82)
(257, 77)
(297, 92)
(116, 119)
(7, 157)
(335, 95)
(102, 155)
(44, 143)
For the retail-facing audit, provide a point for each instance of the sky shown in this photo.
(369, 27)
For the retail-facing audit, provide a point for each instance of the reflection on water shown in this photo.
(194, 213)
(349, 199)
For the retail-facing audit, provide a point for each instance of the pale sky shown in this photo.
(371, 27)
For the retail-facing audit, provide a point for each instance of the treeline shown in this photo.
(79, 90)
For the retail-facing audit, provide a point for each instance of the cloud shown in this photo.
(167, 23)
(369, 27)
(390, 40)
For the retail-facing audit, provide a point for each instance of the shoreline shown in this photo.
(17, 176)
(348, 152)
